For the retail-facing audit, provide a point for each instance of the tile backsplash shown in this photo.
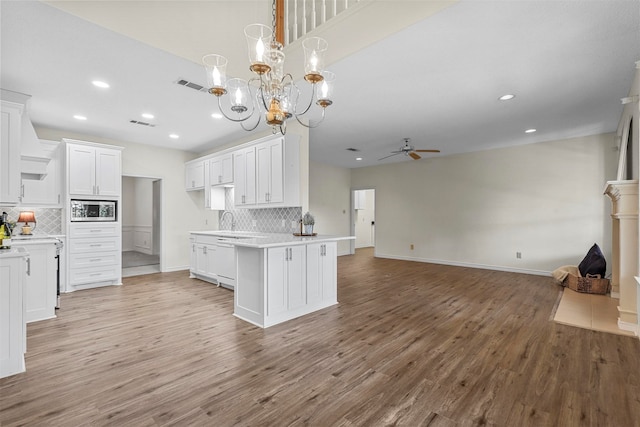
(269, 220)
(48, 220)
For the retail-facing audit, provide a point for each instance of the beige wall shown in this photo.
(330, 201)
(544, 200)
(181, 210)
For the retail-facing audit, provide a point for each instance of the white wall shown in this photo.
(330, 201)
(181, 210)
(544, 200)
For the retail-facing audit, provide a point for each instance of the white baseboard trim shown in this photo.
(172, 269)
(467, 264)
(630, 327)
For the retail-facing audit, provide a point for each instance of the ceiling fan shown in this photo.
(409, 150)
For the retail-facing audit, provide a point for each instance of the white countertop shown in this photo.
(13, 253)
(250, 239)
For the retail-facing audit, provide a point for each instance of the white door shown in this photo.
(314, 273)
(227, 169)
(329, 272)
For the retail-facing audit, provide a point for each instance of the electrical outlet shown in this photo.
(284, 223)
(519, 255)
(411, 246)
(254, 223)
(206, 222)
(294, 224)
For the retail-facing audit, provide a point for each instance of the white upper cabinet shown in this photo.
(264, 173)
(194, 175)
(221, 170)
(278, 173)
(10, 153)
(244, 177)
(48, 190)
(93, 170)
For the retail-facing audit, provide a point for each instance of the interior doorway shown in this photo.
(363, 224)
(141, 225)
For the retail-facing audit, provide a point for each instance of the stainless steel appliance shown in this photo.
(93, 210)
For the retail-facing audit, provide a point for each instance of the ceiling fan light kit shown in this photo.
(271, 92)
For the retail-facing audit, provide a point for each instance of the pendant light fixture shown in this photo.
(271, 93)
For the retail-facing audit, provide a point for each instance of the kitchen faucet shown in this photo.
(233, 221)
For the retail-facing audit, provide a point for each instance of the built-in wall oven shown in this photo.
(93, 210)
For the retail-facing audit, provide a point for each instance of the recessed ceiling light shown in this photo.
(216, 115)
(79, 117)
(174, 136)
(100, 84)
(530, 130)
(358, 158)
(148, 115)
(506, 97)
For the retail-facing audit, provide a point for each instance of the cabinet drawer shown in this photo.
(100, 259)
(93, 274)
(79, 246)
(94, 230)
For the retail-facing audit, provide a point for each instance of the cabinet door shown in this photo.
(239, 173)
(207, 184)
(314, 273)
(250, 176)
(40, 286)
(108, 176)
(193, 260)
(330, 272)
(222, 170)
(215, 166)
(296, 278)
(244, 176)
(212, 261)
(10, 154)
(194, 176)
(276, 178)
(201, 259)
(12, 325)
(277, 260)
(47, 191)
(82, 170)
(227, 169)
(263, 172)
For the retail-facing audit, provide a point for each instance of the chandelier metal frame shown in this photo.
(271, 92)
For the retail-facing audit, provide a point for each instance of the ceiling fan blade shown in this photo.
(390, 155)
(414, 156)
(427, 151)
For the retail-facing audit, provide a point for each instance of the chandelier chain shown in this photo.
(273, 15)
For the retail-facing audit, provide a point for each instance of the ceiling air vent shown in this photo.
(192, 85)
(138, 122)
(352, 149)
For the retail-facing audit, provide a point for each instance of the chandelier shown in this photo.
(271, 92)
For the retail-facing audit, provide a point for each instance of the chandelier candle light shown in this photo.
(274, 92)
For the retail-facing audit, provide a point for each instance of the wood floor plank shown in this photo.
(409, 344)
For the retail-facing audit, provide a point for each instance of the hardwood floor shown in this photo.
(410, 344)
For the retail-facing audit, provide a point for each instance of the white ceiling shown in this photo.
(436, 81)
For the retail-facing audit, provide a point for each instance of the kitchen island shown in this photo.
(279, 277)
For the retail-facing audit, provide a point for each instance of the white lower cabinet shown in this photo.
(322, 273)
(212, 260)
(281, 283)
(40, 285)
(286, 279)
(94, 255)
(13, 331)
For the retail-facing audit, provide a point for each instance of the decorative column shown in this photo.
(624, 214)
